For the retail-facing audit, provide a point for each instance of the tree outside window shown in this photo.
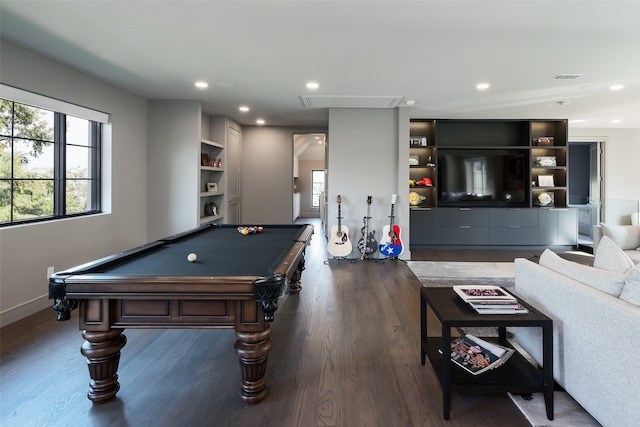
(49, 164)
(317, 183)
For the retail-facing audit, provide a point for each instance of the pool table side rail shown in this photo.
(77, 284)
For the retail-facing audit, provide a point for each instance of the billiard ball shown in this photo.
(192, 257)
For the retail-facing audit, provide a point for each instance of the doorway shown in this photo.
(309, 157)
(586, 186)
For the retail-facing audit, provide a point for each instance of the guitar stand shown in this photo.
(366, 257)
(340, 258)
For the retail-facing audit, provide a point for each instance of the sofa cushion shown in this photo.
(631, 290)
(609, 256)
(610, 282)
(625, 236)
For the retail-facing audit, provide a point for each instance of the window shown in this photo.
(49, 164)
(479, 175)
(317, 185)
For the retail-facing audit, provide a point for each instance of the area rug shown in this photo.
(566, 411)
(433, 273)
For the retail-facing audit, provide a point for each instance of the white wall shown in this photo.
(26, 251)
(266, 174)
(173, 159)
(363, 161)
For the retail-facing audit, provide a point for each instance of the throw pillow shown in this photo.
(609, 256)
(625, 236)
(631, 290)
(609, 282)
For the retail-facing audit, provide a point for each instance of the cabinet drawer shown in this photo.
(464, 235)
(514, 217)
(514, 235)
(456, 217)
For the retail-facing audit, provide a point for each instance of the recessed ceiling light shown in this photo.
(482, 86)
(202, 85)
(616, 121)
(243, 108)
(312, 85)
(616, 87)
(410, 102)
(260, 121)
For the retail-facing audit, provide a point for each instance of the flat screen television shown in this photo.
(484, 177)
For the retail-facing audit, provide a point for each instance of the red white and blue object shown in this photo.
(391, 240)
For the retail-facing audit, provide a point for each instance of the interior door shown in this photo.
(233, 176)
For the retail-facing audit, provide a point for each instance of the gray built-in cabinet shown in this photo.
(539, 218)
(493, 227)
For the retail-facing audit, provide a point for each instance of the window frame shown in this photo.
(324, 183)
(60, 180)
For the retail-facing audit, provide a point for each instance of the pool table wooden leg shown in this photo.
(294, 284)
(252, 348)
(102, 350)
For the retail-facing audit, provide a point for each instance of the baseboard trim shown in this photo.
(25, 309)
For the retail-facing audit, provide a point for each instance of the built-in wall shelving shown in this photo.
(543, 218)
(422, 164)
(211, 182)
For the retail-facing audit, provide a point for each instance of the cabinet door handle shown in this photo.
(465, 226)
(465, 209)
(514, 226)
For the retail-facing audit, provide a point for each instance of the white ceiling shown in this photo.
(431, 52)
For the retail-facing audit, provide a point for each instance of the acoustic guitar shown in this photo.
(391, 240)
(367, 243)
(339, 244)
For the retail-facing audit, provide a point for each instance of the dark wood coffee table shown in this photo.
(517, 375)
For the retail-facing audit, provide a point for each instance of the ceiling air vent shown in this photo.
(566, 76)
(349, 101)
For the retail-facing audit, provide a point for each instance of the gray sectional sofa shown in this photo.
(596, 328)
(625, 236)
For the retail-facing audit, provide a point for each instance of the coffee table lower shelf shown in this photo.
(517, 375)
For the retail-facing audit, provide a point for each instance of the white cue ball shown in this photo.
(192, 257)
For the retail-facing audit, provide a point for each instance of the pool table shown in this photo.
(235, 282)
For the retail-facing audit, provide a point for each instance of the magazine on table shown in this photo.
(476, 355)
(487, 294)
(490, 299)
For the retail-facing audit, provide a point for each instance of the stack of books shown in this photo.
(476, 355)
(490, 300)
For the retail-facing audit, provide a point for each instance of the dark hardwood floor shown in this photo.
(345, 353)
